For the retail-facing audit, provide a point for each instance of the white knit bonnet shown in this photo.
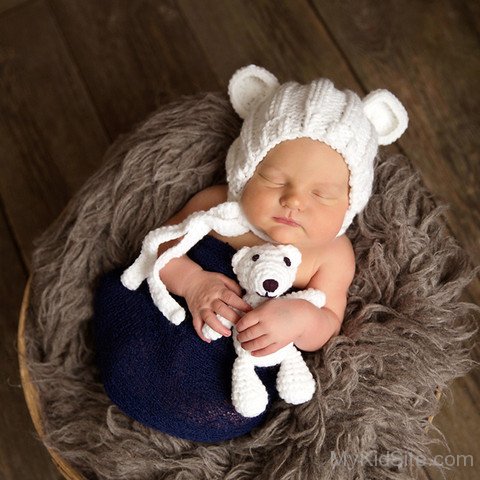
(273, 113)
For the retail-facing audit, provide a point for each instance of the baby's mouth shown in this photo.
(286, 221)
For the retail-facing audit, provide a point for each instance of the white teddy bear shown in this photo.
(268, 271)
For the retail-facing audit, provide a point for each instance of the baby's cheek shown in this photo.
(329, 223)
(246, 207)
(253, 203)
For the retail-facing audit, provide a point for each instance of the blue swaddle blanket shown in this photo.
(162, 375)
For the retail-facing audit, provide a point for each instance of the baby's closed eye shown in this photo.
(275, 181)
(324, 195)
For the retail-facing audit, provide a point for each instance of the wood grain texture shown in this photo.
(458, 421)
(137, 55)
(51, 139)
(285, 37)
(31, 393)
(22, 456)
(74, 75)
(9, 4)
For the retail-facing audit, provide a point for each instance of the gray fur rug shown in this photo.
(404, 334)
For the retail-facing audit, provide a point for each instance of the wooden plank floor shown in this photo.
(75, 74)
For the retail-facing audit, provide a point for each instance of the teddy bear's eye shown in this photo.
(287, 261)
(255, 257)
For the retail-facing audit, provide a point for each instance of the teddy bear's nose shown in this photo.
(270, 285)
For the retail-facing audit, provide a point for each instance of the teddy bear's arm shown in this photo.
(312, 295)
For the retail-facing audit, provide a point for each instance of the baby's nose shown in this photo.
(270, 285)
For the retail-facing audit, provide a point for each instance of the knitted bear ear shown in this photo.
(387, 115)
(249, 86)
(238, 257)
(293, 253)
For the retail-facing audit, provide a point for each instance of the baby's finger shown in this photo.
(272, 348)
(209, 317)
(230, 298)
(225, 311)
(247, 321)
(232, 284)
(198, 325)
(251, 333)
(257, 343)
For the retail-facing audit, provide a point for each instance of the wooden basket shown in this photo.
(31, 394)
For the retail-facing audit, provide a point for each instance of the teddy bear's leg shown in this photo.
(212, 334)
(249, 395)
(295, 382)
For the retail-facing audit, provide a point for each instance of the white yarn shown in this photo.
(273, 113)
(226, 219)
(251, 85)
(254, 266)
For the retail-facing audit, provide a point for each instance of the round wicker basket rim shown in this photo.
(31, 394)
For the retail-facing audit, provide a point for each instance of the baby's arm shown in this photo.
(280, 321)
(334, 277)
(206, 293)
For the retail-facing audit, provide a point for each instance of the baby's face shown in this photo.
(303, 180)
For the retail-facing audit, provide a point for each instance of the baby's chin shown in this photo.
(286, 234)
(297, 236)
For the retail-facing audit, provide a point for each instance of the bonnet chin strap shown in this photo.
(226, 219)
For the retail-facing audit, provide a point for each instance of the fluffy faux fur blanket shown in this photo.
(405, 331)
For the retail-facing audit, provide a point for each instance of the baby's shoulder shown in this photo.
(202, 201)
(335, 273)
(209, 197)
(339, 255)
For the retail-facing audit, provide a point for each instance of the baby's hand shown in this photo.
(209, 293)
(271, 326)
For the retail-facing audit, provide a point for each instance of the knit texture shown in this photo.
(226, 219)
(164, 375)
(265, 272)
(274, 113)
(405, 329)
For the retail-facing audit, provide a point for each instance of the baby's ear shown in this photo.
(249, 86)
(292, 253)
(387, 115)
(238, 257)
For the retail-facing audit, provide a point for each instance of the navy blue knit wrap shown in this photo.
(163, 375)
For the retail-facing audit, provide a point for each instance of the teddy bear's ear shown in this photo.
(293, 253)
(249, 86)
(238, 257)
(387, 115)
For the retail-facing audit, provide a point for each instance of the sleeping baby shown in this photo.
(298, 194)
(299, 172)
